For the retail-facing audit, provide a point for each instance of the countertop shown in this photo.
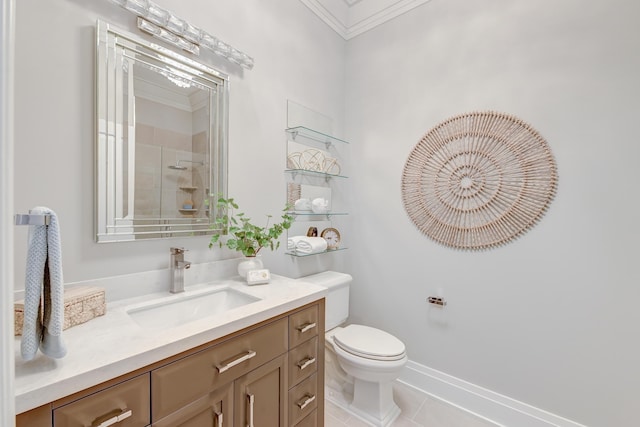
(114, 344)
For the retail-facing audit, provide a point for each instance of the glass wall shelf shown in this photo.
(327, 214)
(305, 172)
(189, 189)
(296, 254)
(305, 132)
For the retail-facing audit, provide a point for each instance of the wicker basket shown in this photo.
(81, 304)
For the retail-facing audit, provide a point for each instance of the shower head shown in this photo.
(179, 167)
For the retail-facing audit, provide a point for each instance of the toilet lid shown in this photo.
(370, 343)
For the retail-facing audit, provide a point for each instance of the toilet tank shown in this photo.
(337, 300)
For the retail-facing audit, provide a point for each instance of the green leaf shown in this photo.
(243, 236)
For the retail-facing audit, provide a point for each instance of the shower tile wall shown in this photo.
(148, 179)
(175, 146)
(158, 187)
(200, 142)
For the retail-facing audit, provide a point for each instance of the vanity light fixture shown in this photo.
(161, 23)
(168, 36)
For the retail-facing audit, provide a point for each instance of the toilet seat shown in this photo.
(369, 343)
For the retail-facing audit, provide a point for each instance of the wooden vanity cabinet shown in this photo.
(304, 324)
(125, 404)
(187, 379)
(303, 361)
(306, 366)
(268, 375)
(37, 417)
(212, 410)
(310, 421)
(260, 396)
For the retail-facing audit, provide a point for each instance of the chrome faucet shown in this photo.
(177, 267)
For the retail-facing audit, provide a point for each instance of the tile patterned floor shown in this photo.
(418, 410)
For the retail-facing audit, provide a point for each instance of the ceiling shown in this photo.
(350, 18)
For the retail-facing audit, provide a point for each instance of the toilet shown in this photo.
(368, 359)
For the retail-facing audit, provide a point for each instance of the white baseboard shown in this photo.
(484, 403)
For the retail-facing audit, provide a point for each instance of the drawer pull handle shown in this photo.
(306, 327)
(124, 414)
(235, 361)
(219, 418)
(250, 398)
(308, 398)
(306, 362)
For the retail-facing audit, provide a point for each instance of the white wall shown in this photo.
(296, 57)
(552, 318)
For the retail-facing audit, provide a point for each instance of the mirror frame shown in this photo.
(110, 130)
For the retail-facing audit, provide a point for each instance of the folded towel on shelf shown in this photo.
(292, 242)
(43, 291)
(311, 245)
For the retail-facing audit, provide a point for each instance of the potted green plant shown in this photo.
(244, 236)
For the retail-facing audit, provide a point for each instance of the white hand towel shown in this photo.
(43, 286)
(311, 245)
(292, 241)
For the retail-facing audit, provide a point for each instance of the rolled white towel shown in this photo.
(292, 241)
(311, 245)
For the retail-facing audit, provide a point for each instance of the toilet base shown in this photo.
(373, 402)
(342, 397)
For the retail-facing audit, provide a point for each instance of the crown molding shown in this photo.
(329, 16)
(352, 18)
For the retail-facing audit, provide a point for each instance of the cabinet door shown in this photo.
(259, 396)
(215, 409)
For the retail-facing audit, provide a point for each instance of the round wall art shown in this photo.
(478, 180)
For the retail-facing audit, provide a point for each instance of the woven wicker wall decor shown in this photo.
(478, 180)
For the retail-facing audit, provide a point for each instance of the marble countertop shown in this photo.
(114, 344)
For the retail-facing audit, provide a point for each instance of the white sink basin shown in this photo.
(176, 310)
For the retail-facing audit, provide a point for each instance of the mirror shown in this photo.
(161, 145)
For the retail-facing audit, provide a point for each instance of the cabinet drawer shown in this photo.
(303, 326)
(310, 420)
(303, 399)
(38, 417)
(127, 402)
(183, 381)
(303, 361)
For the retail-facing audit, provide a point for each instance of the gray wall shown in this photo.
(552, 318)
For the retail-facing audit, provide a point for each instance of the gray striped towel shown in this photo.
(43, 291)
